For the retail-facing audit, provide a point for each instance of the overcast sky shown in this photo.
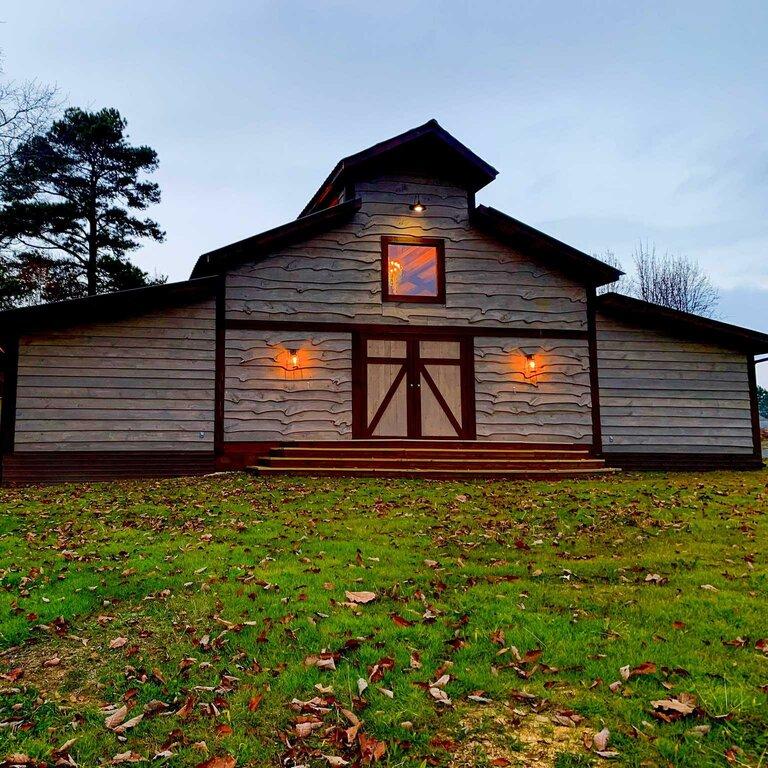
(609, 122)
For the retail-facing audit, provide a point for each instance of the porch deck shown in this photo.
(441, 459)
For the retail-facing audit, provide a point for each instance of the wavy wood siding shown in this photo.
(664, 394)
(554, 406)
(336, 276)
(265, 400)
(140, 384)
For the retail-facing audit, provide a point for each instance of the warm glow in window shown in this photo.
(412, 269)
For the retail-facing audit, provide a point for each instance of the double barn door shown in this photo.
(412, 387)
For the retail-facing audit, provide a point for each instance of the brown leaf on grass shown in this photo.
(762, 645)
(116, 718)
(255, 702)
(673, 709)
(132, 723)
(380, 668)
(600, 740)
(54, 661)
(336, 762)
(646, 668)
(567, 718)
(679, 625)
(186, 709)
(154, 707)
(15, 674)
(400, 621)
(440, 696)
(497, 636)
(219, 761)
(126, 757)
(371, 750)
(306, 724)
(360, 597)
(117, 642)
(737, 642)
(323, 661)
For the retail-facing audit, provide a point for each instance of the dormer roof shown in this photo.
(426, 150)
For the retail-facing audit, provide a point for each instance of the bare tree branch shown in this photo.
(670, 280)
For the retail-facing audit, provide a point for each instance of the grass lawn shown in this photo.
(223, 621)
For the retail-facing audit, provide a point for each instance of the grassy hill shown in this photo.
(229, 621)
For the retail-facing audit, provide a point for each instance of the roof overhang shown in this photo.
(426, 150)
(104, 306)
(251, 248)
(683, 324)
(544, 248)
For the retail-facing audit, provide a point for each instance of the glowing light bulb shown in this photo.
(395, 270)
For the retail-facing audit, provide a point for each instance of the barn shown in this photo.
(396, 327)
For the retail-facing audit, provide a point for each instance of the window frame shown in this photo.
(438, 244)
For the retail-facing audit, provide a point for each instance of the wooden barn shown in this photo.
(398, 327)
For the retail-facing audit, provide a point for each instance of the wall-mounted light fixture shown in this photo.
(293, 359)
(530, 365)
(417, 206)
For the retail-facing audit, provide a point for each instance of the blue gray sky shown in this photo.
(610, 122)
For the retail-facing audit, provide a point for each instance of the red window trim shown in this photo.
(439, 246)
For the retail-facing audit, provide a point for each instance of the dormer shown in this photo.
(427, 151)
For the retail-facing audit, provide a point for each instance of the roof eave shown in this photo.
(552, 251)
(684, 323)
(104, 306)
(219, 260)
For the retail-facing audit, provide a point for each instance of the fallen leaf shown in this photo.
(336, 762)
(600, 740)
(219, 761)
(118, 642)
(126, 757)
(360, 597)
(116, 717)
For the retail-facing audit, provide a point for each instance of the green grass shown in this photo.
(248, 577)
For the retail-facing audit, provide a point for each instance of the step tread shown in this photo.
(495, 471)
(439, 460)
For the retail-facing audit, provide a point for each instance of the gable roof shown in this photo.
(547, 249)
(105, 306)
(427, 148)
(686, 324)
(221, 259)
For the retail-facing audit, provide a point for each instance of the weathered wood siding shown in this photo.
(664, 394)
(139, 384)
(266, 400)
(336, 276)
(551, 406)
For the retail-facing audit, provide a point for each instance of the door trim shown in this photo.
(413, 369)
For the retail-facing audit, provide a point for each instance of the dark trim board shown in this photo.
(30, 467)
(594, 378)
(754, 407)
(681, 462)
(8, 412)
(416, 330)
(220, 365)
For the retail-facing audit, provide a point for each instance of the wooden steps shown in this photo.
(433, 459)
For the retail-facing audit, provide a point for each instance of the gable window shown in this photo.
(413, 269)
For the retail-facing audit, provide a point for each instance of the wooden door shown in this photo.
(411, 387)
